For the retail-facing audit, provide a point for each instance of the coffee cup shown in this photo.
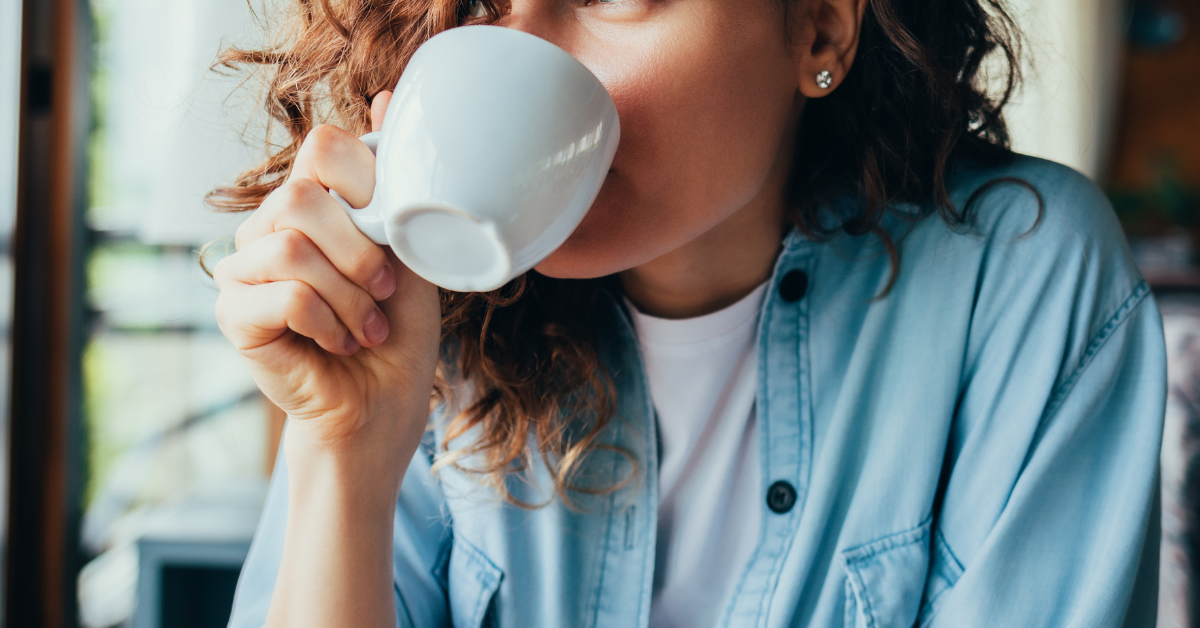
(495, 144)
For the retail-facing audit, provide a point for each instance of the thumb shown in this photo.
(379, 106)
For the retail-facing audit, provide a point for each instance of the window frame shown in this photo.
(44, 419)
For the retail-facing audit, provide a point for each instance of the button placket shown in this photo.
(784, 426)
(793, 286)
(781, 497)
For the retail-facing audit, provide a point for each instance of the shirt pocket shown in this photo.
(885, 579)
(944, 574)
(473, 581)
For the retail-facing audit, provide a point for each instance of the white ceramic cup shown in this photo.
(495, 144)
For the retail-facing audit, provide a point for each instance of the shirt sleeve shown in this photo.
(1048, 516)
(421, 544)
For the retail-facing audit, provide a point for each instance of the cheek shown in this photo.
(702, 116)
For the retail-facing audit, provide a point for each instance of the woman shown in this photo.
(822, 353)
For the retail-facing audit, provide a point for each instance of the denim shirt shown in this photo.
(978, 447)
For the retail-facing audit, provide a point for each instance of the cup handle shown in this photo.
(369, 219)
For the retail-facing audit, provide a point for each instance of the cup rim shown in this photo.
(526, 38)
(496, 277)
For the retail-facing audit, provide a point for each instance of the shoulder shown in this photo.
(1040, 261)
(1035, 199)
(1039, 253)
(1025, 215)
(1037, 233)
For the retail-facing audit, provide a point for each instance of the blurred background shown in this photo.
(135, 450)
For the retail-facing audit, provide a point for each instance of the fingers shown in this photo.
(304, 205)
(379, 106)
(302, 263)
(329, 158)
(255, 315)
(337, 160)
(289, 255)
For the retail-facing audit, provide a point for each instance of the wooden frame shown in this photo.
(46, 453)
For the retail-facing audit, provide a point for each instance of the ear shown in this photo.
(824, 39)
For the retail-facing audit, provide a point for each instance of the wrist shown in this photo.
(365, 467)
(337, 545)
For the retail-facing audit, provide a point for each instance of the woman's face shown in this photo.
(706, 91)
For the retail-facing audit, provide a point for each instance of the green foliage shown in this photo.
(1169, 202)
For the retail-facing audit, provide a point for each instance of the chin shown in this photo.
(581, 257)
(604, 242)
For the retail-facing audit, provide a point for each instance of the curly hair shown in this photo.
(915, 102)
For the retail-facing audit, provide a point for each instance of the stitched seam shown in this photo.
(867, 605)
(622, 319)
(650, 441)
(768, 596)
(762, 405)
(1098, 341)
(860, 591)
(859, 553)
(1058, 397)
(477, 612)
(612, 500)
(850, 605)
(488, 576)
(942, 547)
(852, 557)
(650, 451)
(762, 601)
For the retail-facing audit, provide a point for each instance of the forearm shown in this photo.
(336, 568)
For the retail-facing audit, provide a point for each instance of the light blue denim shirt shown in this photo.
(979, 447)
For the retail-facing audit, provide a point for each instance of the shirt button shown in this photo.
(781, 497)
(793, 286)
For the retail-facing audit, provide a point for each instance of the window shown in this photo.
(10, 63)
(176, 429)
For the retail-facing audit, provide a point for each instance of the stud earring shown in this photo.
(824, 79)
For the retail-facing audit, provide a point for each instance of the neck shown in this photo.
(726, 262)
(703, 276)
(718, 268)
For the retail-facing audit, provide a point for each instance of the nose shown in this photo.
(543, 18)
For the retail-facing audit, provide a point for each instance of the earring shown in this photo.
(824, 79)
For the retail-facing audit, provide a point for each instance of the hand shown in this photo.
(336, 330)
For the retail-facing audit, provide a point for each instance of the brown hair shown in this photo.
(912, 105)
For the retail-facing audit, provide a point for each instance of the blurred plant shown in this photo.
(99, 182)
(1168, 202)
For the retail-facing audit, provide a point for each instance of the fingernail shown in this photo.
(384, 283)
(375, 329)
(352, 345)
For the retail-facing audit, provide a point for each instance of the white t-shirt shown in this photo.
(702, 374)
